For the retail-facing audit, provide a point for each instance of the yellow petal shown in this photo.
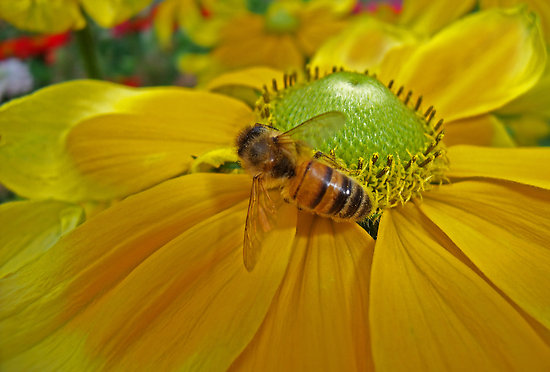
(529, 130)
(212, 160)
(483, 130)
(362, 45)
(196, 109)
(318, 319)
(392, 62)
(32, 129)
(247, 83)
(36, 163)
(476, 64)
(523, 165)
(535, 101)
(318, 22)
(164, 21)
(504, 229)
(542, 7)
(199, 68)
(430, 312)
(335, 6)
(50, 16)
(141, 285)
(427, 17)
(30, 228)
(109, 13)
(188, 15)
(119, 154)
(280, 52)
(245, 43)
(203, 21)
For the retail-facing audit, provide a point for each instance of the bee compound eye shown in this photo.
(258, 152)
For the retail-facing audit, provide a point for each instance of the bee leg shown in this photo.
(331, 160)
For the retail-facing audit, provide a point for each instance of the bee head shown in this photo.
(256, 148)
(248, 136)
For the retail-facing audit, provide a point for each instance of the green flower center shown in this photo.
(390, 143)
(377, 121)
(281, 18)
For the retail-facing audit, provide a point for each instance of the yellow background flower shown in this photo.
(52, 16)
(528, 116)
(282, 37)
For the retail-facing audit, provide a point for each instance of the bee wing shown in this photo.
(260, 219)
(315, 130)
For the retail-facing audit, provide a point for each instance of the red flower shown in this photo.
(32, 46)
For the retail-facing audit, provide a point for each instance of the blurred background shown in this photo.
(130, 53)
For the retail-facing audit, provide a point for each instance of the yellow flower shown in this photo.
(52, 16)
(456, 279)
(539, 6)
(282, 37)
(368, 38)
(201, 20)
(528, 116)
(425, 17)
(395, 52)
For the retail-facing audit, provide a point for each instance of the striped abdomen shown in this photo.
(323, 190)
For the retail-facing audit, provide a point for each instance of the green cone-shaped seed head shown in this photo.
(377, 121)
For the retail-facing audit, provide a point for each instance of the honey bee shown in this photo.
(277, 159)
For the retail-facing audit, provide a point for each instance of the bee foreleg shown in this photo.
(331, 160)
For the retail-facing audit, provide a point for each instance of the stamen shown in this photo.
(413, 160)
(374, 158)
(418, 103)
(360, 164)
(389, 161)
(390, 84)
(316, 72)
(266, 94)
(438, 125)
(285, 80)
(427, 161)
(432, 114)
(382, 172)
(400, 90)
(434, 143)
(428, 111)
(409, 94)
(274, 82)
